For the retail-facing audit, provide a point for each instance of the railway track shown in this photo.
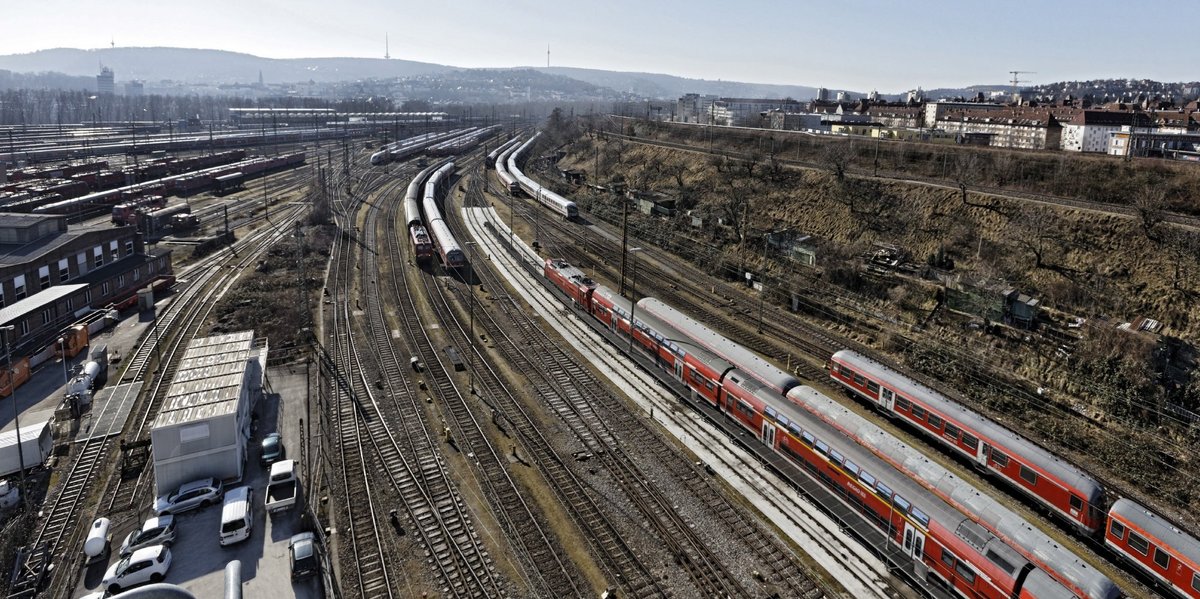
(60, 521)
(548, 572)
(409, 462)
(595, 417)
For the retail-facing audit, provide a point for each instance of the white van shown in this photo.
(237, 516)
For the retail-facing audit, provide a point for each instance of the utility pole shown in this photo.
(624, 241)
(762, 292)
(471, 290)
(633, 296)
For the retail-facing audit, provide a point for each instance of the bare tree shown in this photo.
(1151, 203)
(836, 156)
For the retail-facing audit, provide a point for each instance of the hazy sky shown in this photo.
(889, 45)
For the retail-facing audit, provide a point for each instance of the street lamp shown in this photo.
(62, 342)
(8, 330)
(633, 294)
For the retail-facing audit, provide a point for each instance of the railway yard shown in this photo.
(491, 391)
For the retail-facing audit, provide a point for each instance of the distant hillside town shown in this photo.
(1132, 124)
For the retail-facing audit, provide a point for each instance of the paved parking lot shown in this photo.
(198, 559)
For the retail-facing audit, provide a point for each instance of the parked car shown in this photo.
(203, 492)
(159, 530)
(272, 449)
(282, 487)
(148, 564)
(303, 551)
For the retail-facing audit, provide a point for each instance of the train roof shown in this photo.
(903, 489)
(412, 195)
(746, 360)
(1181, 542)
(980, 425)
(571, 272)
(989, 512)
(445, 239)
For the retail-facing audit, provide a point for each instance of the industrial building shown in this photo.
(52, 274)
(203, 427)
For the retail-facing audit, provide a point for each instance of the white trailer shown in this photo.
(36, 445)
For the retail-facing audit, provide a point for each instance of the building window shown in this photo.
(104, 287)
(87, 296)
(46, 315)
(24, 327)
(98, 253)
(44, 277)
(128, 247)
(137, 274)
(112, 249)
(1139, 543)
(2, 296)
(19, 287)
(120, 281)
(81, 260)
(64, 273)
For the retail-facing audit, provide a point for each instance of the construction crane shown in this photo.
(1016, 83)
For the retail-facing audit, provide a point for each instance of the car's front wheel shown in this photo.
(156, 577)
(113, 589)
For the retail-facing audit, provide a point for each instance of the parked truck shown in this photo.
(36, 445)
(283, 487)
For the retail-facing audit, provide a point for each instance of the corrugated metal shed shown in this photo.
(204, 423)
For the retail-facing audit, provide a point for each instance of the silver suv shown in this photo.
(203, 492)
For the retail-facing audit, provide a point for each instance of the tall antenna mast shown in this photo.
(547, 56)
(1016, 83)
(387, 54)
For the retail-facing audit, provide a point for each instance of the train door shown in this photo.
(914, 542)
(985, 452)
(679, 368)
(886, 398)
(768, 433)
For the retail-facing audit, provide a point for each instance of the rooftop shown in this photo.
(209, 380)
(36, 301)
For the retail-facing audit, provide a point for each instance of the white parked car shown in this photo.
(159, 530)
(149, 564)
(206, 491)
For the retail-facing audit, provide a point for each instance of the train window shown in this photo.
(949, 559)
(783, 421)
(1028, 475)
(859, 379)
(903, 404)
(887, 394)
(745, 408)
(835, 456)
(1000, 561)
(966, 573)
(920, 517)
(1139, 543)
(872, 387)
(883, 489)
(918, 412)
(999, 458)
(807, 439)
(935, 421)
(851, 467)
(1162, 558)
(795, 429)
(1196, 582)
(902, 503)
(1076, 503)
(846, 372)
(970, 441)
(867, 478)
(1117, 529)
(822, 448)
(769, 411)
(952, 431)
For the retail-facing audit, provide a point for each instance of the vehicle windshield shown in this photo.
(303, 550)
(271, 444)
(122, 566)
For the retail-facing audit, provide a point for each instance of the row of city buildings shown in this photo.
(1117, 128)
